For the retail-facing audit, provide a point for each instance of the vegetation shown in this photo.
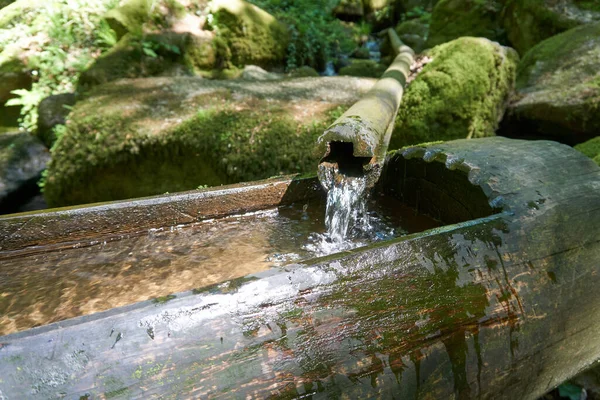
(59, 39)
(462, 93)
(591, 148)
(316, 36)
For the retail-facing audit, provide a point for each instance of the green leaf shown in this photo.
(149, 52)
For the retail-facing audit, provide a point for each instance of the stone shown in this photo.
(174, 54)
(303, 72)
(132, 138)
(53, 111)
(452, 19)
(462, 93)
(255, 73)
(528, 22)
(364, 68)
(413, 33)
(129, 17)
(4, 3)
(13, 75)
(349, 10)
(558, 89)
(253, 35)
(23, 157)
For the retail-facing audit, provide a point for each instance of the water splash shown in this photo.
(346, 207)
(348, 222)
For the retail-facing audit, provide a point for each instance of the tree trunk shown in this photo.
(501, 306)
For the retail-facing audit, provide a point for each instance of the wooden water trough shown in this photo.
(501, 302)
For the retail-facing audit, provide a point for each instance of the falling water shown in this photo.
(346, 207)
(348, 222)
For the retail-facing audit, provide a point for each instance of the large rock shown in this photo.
(53, 111)
(22, 159)
(4, 3)
(162, 54)
(140, 137)
(528, 22)
(349, 10)
(558, 89)
(129, 17)
(462, 93)
(364, 68)
(452, 19)
(414, 33)
(13, 75)
(253, 35)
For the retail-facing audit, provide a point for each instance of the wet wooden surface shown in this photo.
(504, 306)
(23, 232)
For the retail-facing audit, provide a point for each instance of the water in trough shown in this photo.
(49, 286)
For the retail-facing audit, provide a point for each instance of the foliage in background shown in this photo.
(57, 40)
(316, 35)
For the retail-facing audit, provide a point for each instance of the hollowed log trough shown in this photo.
(502, 302)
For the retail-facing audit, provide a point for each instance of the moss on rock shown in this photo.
(558, 88)
(591, 149)
(414, 33)
(363, 68)
(452, 19)
(148, 136)
(462, 93)
(528, 22)
(129, 17)
(253, 35)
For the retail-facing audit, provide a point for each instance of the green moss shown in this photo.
(528, 22)
(559, 87)
(553, 62)
(462, 93)
(591, 149)
(414, 33)
(107, 152)
(129, 60)
(129, 17)
(452, 19)
(303, 72)
(591, 5)
(252, 35)
(164, 299)
(364, 68)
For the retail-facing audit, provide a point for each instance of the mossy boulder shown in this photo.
(414, 33)
(53, 111)
(349, 10)
(364, 68)
(129, 17)
(452, 19)
(14, 75)
(303, 72)
(591, 148)
(461, 93)
(4, 3)
(22, 159)
(162, 54)
(140, 137)
(528, 22)
(253, 35)
(558, 89)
